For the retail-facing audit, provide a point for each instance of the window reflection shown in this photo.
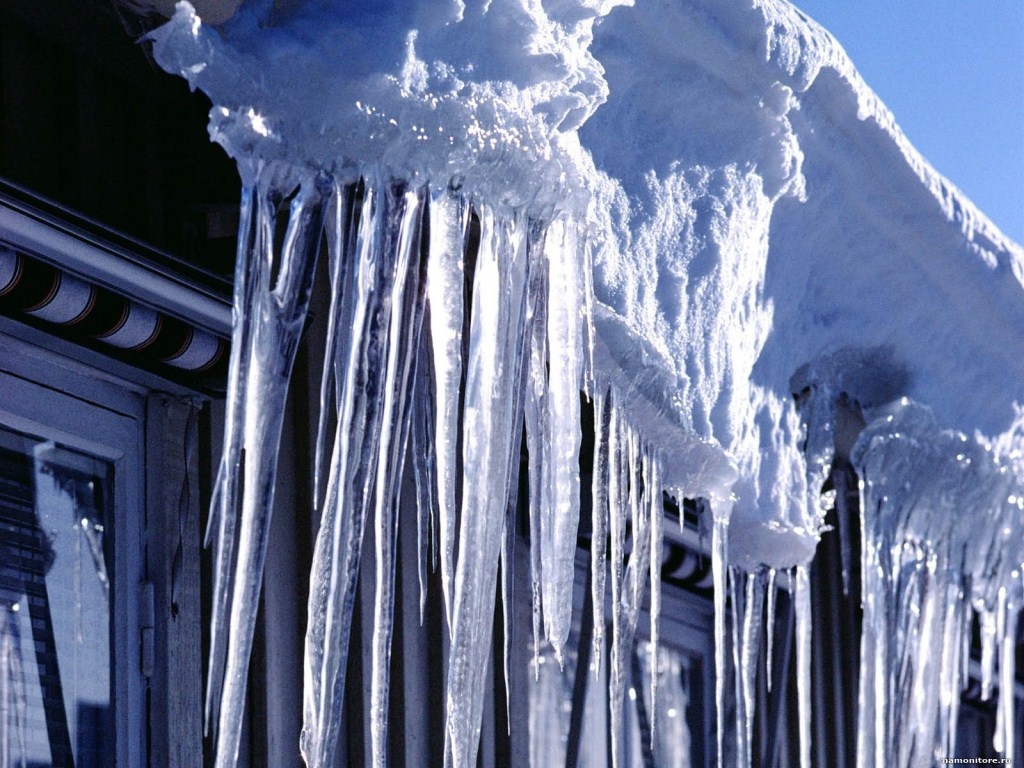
(551, 710)
(55, 556)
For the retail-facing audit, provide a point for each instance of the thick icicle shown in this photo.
(449, 215)
(561, 513)
(496, 327)
(752, 588)
(222, 523)
(399, 355)
(537, 447)
(275, 315)
(599, 521)
(335, 570)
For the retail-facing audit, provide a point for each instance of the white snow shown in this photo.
(695, 210)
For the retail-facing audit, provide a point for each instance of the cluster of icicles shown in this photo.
(942, 523)
(444, 338)
(443, 362)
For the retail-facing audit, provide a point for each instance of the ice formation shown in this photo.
(718, 240)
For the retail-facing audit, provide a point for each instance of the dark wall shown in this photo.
(89, 122)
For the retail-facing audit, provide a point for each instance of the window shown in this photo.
(71, 509)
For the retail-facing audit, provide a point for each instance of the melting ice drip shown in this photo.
(417, 364)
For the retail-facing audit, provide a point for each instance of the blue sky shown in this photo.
(952, 72)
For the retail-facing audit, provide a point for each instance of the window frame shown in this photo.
(47, 398)
(146, 427)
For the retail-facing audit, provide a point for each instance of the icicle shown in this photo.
(636, 511)
(939, 517)
(719, 564)
(222, 523)
(841, 480)
(753, 607)
(335, 570)
(565, 347)
(1007, 685)
(871, 696)
(276, 319)
(445, 274)
(398, 354)
(599, 520)
(636, 468)
(337, 230)
(770, 626)
(617, 493)
(519, 372)
(950, 666)
(802, 606)
(987, 619)
(657, 511)
(589, 380)
(507, 560)
(496, 328)
(536, 408)
(425, 474)
(737, 601)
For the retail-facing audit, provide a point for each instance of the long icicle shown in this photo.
(657, 510)
(769, 627)
(280, 312)
(719, 566)
(753, 607)
(1008, 679)
(617, 493)
(802, 605)
(496, 327)
(401, 347)
(599, 521)
(737, 601)
(535, 409)
(520, 371)
(425, 473)
(564, 363)
(335, 570)
(337, 232)
(223, 521)
(445, 275)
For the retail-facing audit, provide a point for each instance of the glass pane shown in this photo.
(672, 748)
(677, 713)
(55, 557)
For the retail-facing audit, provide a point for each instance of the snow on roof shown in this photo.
(758, 222)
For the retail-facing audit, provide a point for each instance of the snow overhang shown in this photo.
(752, 208)
(776, 234)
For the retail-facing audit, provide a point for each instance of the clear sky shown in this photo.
(952, 72)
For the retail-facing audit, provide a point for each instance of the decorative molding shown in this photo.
(70, 306)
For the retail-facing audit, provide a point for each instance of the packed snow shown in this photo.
(695, 211)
